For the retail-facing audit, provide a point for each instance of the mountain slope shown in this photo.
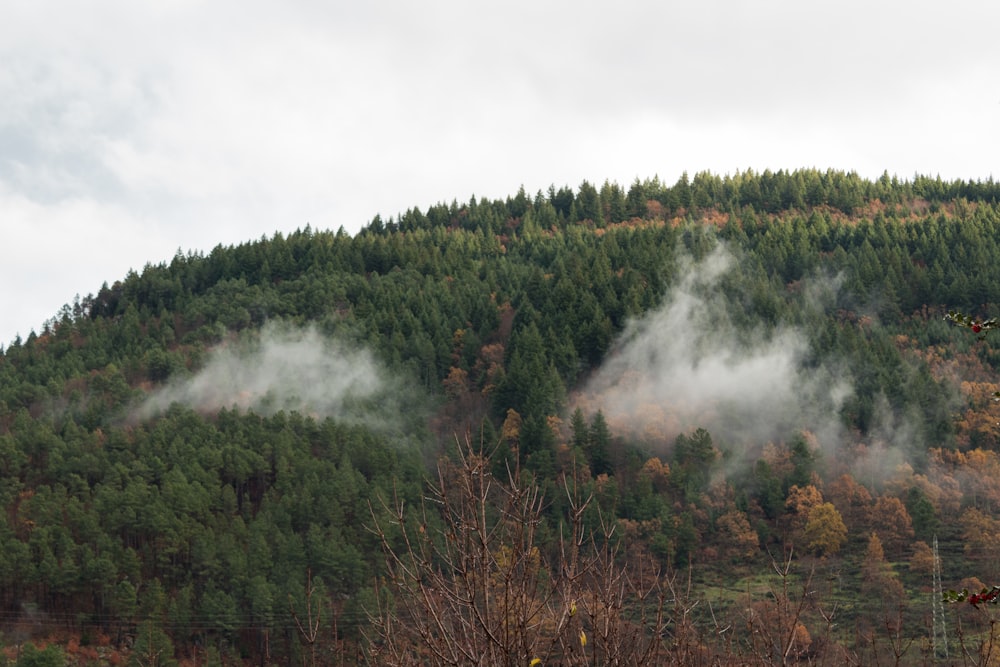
(184, 448)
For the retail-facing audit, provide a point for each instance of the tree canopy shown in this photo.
(161, 500)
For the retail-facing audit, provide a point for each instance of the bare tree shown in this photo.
(469, 583)
(776, 634)
(309, 629)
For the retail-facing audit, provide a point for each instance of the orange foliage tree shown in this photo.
(852, 500)
(892, 522)
(799, 502)
(739, 540)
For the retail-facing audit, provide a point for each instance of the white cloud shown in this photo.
(687, 365)
(219, 122)
(292, 370)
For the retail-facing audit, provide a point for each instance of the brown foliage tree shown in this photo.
(738, 540)
(922, 560)
(981, 479)
(799, 502)
(874, 566)
(981, 537)
(892, 522)
(852, 500)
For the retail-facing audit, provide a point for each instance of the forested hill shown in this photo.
(185, 452)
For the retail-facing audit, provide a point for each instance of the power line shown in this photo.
(235, 622)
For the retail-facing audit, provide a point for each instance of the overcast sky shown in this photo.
(129, 130)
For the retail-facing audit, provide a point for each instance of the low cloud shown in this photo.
(290, 369)
(689, 365)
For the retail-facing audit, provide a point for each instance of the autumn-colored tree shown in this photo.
(466, 407)
(941, 485)
(981, 478)
(657, 472)
(981, 540)
(798, 504)
(852, 500)
(893, 524)
(825, 531)
(489, 364)
(456, 383)
(979, 425)
(922, 560)
(874, 566)
(737, 539)
(511, 429)
(980, 531)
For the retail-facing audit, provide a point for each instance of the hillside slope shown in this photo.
(183, 451)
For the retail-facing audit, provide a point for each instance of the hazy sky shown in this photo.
(131, 130)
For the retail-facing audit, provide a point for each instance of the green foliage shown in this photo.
(977, 325)
(984, 596)
(152, 647)
(200, 525)
(32, 656)
(692, 463)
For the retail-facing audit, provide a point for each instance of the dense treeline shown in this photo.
(197, 530)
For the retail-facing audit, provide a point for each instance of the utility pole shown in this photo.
(940, 640)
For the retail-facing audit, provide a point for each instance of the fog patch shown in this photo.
(687, 365)
(285, 368)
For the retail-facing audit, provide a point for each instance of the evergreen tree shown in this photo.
(588, 204)
(599, 445)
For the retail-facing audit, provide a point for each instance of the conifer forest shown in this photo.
(723, 421)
